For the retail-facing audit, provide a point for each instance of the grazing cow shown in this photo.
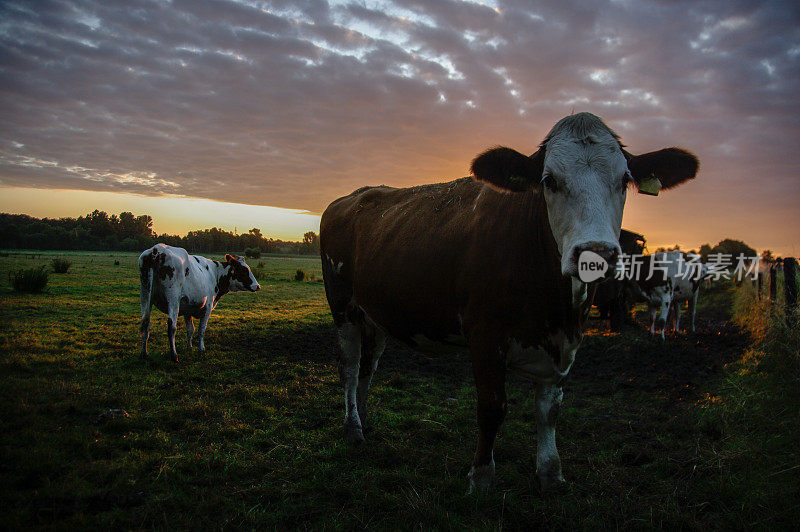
(653, 284)
(490, 264)
(667, 280)
(179, 284)
(686, 285)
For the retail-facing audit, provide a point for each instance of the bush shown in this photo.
(61, 265)
(30, 280)
(299, 275)
(252, 253)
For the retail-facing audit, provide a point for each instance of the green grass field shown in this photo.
(249, 434)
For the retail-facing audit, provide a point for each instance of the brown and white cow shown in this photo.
(179, 284)
(489, 264)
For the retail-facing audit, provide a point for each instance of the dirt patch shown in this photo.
(605, 362)
(675, 366)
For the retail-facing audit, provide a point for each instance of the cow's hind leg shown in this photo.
(172, 322)
(189, 330)
(349, 337)
(548, 463)
(373, 342)
(144, 326)
(144, 329)
(490, 384)
(677, 316)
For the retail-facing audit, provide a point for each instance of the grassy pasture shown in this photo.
(249, 434)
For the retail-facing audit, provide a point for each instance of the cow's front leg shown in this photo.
(202, 333)
(656, 322)
(349, 336)
(189, 330)
(548, 463)
(653, 321)
(490, 384)
(678, 316)
(693, 307)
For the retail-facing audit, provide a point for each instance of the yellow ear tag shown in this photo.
(650, 186)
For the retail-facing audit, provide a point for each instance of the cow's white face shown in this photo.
(585, 183)
(659, 301)
(241, 278)
(583, 173)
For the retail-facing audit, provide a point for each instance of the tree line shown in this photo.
(99, 231)
(728, 246)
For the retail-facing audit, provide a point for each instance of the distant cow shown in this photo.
(686, 286)
(179, 284)
(488, 263)
(654, 286)
(668, 280)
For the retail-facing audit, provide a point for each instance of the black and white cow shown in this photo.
(179, 284)
(670, 280)
(487, 264)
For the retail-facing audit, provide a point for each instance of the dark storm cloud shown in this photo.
(291, 104)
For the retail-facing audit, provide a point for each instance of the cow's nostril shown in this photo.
(604, 251)
(610, 255)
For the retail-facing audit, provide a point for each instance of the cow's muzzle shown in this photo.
(607, 251)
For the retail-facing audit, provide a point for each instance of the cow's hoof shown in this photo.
(176, 360)
(553, 486)
(481, 478)
(550, 478)
(353, 433)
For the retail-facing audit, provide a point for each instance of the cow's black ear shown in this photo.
(671, 166)
(229, 258)
(508, 170)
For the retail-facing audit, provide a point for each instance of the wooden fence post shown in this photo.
(790, 290)
(773, 282)
(759, 284)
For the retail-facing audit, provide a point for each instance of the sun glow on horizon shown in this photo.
(171, 214)
(177, 215)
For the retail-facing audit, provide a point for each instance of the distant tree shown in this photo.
(310, 243)
(705, 250)
(99, 223)
(127, 232)
(767, 256)
(734, 248)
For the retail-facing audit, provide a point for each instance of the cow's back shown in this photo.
(435, 259)
(404, 246)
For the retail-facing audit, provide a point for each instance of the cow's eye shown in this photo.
(550, 182)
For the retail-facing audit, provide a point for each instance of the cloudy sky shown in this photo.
(292, 104)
